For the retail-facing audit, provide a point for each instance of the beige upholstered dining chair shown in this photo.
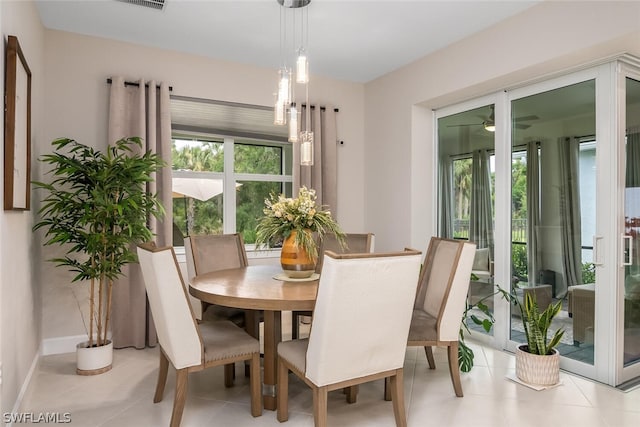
(440, 301)
(356, 243)
(212, 252)
(190, 346)
(341, 353)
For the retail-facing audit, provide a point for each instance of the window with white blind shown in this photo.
(226, 159)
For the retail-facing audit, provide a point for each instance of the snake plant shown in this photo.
(536, 323)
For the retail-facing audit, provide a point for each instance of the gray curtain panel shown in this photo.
(481, 215)
(633, 160)
(142, 111)
(534, 258)
(322, 176)
(446, 198)
(571, 225)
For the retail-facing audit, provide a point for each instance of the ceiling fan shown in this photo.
(488, 122)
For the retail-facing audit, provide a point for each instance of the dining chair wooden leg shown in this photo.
(229, 374)
(387, 390)
(428, 350)
(454, 370)
(162, 377)
(182, 377)
(397, 397)
(295, 325)
(282, 392)
(255, 380)
(252, 326)
(320, 406)
(352, 393)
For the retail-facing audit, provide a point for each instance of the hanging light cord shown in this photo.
(305, 12)
(283, 35)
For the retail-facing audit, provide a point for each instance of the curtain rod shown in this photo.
(337, 110)
(136, 84)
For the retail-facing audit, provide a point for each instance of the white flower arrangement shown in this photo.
(282, 215)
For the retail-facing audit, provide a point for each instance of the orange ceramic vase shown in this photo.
(295, 261)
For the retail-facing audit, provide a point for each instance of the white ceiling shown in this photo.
(354, 40)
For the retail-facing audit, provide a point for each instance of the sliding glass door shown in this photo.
(545, 178)
(631, 234)
(466, 186)
(553, 215)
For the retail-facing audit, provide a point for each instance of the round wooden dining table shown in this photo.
(256, 288)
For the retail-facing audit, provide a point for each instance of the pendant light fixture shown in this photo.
(302, 61)
(293, 123)
(285, 110)
(306, 148)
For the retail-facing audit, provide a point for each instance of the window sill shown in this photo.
(264, 253)
(252, 253)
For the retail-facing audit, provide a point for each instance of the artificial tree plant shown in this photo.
(97, 206)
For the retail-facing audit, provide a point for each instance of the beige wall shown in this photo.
(77, 105)
(392, 114)
(20, 306)
(547, 38)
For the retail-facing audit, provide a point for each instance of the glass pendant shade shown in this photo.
(284, 86)
(306, 148)
(302, 67)
(279, 113)
(293, 123)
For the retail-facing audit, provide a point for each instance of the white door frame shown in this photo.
(623, 70)
(610, 160)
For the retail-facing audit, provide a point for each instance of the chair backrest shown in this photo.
(213, 252)
(172, 315)
(444, 283)
(377, 290)
(358, 243)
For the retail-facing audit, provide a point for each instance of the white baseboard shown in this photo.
(61, 345)
(25, 384)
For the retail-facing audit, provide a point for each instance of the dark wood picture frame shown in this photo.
(17, 129)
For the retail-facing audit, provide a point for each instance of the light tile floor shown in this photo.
(123, 397)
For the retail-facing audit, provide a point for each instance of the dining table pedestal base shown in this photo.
(272, 336)
(254, 288)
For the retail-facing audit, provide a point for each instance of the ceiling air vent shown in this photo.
(153, 4)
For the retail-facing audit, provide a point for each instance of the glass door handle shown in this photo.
(629, 260)
(596, 258)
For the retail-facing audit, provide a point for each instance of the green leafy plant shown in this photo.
(484, 319)
(97, 207)
(536, 322)
(519, 260)
(588, 272)
(283, 215)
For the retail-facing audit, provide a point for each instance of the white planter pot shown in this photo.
(537, 370)
(93, 360)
